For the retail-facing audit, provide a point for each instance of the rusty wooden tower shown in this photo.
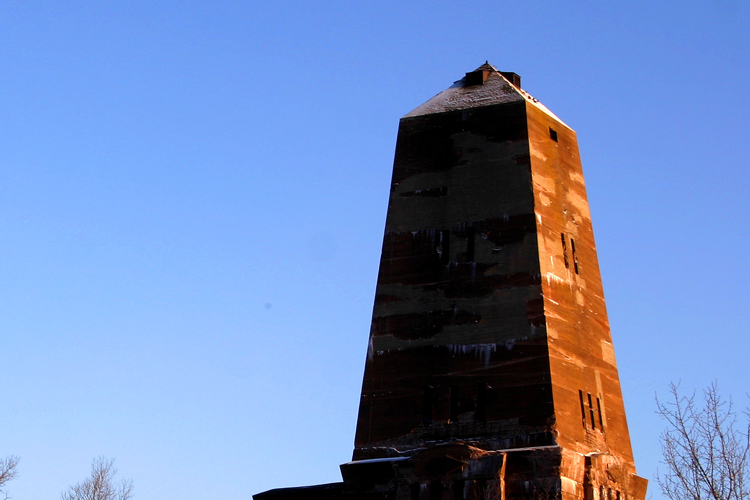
(490, 372)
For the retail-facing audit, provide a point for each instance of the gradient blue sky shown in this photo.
(193, 194)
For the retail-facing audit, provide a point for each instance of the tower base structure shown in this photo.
(463, 472)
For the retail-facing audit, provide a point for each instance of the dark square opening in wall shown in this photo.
(553, 135)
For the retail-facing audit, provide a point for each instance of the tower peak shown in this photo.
(480, 75)
(486, 67)
(484, 86)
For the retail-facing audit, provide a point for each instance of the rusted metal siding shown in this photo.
(589, 410)
(514, 321)
(580, 343)
(490, 373)
(458, 326)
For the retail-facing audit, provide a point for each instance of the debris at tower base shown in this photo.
(463, 472)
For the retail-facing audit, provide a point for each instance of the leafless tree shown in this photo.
(705, 448)
(8, 471)
(101, 485)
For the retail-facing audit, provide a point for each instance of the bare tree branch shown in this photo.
(101, 485)
(705, 453)
(8, 471)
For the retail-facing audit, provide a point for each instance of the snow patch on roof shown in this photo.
(495, 90)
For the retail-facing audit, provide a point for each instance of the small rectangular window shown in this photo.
(591, 410)
(575, 259)
(599, 410)
(552, 135)
(565, 250)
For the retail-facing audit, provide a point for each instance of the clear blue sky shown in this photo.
(193, 194)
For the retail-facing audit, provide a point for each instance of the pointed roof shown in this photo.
(487, 67)
(484, 86)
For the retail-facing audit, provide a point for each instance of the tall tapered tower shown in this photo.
(490, 371)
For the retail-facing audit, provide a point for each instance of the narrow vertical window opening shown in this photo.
(599, 410)
(565, 250)
(591, 410)
(573, 249)
(552, 135)
(583, 408)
